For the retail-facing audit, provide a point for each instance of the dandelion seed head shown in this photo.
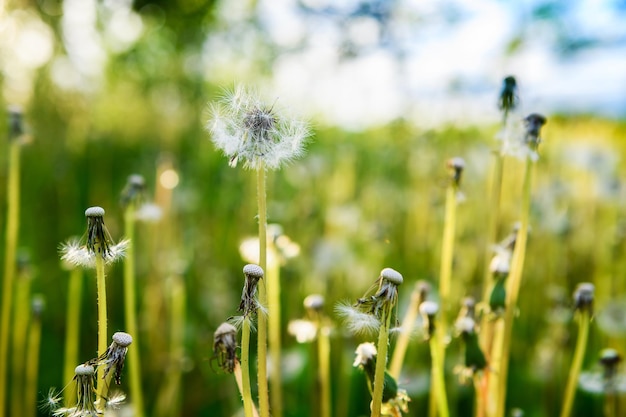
(466, 325)
(94, 212)
(365, 353)
(314, 302)
(429, 308)
(253, 270)
(122, 339)
(392, 276)
(245, 128)
(583, 296)
(304, 331)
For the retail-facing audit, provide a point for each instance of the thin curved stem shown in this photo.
(323, 349)
(273, 306)
(577, 361)
(72, 333)
(264, 407)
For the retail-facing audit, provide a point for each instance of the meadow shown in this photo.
(355, 203)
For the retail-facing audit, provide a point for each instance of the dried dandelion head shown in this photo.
(113, 358)
(133, 191)
(85, 376)
(253, 273)
(247, 129)
(508, 99)
(456, 166)
(225, 346)
(428, 310)
(583, 297)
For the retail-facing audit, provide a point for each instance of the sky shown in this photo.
(358, 64)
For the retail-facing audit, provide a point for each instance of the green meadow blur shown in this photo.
(355, 203)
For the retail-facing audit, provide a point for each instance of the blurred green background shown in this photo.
(361, 199)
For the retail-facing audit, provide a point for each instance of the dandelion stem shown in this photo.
(381, 362)
(579, 354)
(239, 380)
(445, 277)
(72, 333)
(438, 380)
(502, 347)
(273, 305)
(32, 366)
(130, 312)
(405, 334)
(245, 367)
(21, 318)
(102, 327)
(262, 321)
(323, 351)
(12, 227)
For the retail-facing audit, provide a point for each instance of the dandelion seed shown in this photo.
(225, 346)
(357, 321)
(247, 129)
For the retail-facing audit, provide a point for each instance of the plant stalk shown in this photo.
(32, 366)
(72, 333)
(264, 406)
(577, 361)
(323, 349)
(12, 227)
(130, 312)
(273, 299)
(246, 392)
(502, 349)
(438, 381)
(102, 327)
(402, 343)
(381, 362)
(21, 318)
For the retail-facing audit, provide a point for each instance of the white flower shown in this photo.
(245, 128)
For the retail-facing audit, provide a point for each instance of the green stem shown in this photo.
(264, 406)
(72, 334)
(13, 203)
(381, 363)
(21, 318)
(402, 343)
(579, 355)
(502, 350)
(245, 368)
(323, 349)
(32, 366)
(273, 299)
(130, 312)
(438, 382)
(102, 328)
(445, 278)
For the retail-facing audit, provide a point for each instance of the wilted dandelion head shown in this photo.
(77, 254)
(225, 346)
(534, 122)
(133, 191)
(247, 129)
(84, 375)
(522, 140)
(253, 273)
(113, 358)
(456, 166)
(508, 99)
(583, 296)
(428, 310)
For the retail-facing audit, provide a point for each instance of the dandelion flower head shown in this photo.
(247, 129)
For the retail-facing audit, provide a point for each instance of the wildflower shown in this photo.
(98, 242)
(85, 378)
(583, 297)
(249, 304)
(225, 346)
(245, 128)
(394, 399)
(508, 99)
(113, 358)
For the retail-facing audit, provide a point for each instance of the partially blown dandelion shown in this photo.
(247, 129)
